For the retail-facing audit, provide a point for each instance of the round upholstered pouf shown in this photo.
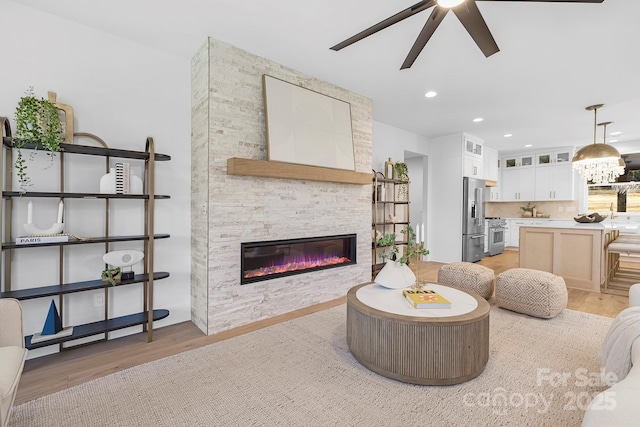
(469, 277)
(532, 292)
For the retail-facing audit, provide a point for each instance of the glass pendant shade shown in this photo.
(598, 163)
(449, 3)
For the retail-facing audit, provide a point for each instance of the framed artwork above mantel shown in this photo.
(306, 127)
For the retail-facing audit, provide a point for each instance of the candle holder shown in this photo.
(56, 228)
(32, 230)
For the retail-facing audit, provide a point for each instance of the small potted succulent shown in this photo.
(112, 275)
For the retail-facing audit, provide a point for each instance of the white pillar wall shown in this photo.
(228, 121)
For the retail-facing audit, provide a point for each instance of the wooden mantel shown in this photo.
(265, 168)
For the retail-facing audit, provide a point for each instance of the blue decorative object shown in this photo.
(52, 325)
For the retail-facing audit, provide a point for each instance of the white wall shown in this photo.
(389, 141)
(445, 190)
(122, 92)
(418, 175)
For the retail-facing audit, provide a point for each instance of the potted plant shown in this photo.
(528, 210)
(112, 275)
(37, 121)
(402, 175)
(396, 274)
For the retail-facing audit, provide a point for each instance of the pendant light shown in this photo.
(604, 141)
(598, 163)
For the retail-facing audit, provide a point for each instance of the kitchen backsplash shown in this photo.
(565, 209)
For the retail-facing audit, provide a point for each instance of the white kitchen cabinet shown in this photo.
(518, 161)
(514, 230)
(473, 146)
(514, 233)
(491, 167)
(554, 183)
(473, 167)
(555, 157)
(518, 185)
(473, 157)
(494, 194)
(507, 233)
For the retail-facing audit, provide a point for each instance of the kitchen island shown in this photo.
(569, 249)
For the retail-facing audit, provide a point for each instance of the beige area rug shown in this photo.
(301, 373)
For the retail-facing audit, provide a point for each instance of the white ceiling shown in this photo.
(555, 59)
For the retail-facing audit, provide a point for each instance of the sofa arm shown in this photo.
(11, 321)
(634, 295)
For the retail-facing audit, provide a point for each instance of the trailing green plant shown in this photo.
(386, 239)
(402, 175)
(413, 251)
(391, 253)
(37, 121)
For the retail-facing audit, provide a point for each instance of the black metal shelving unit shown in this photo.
(147, 278)
(387, 203)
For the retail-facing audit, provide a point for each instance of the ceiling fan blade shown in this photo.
(555, 1)
(410, 11)
(471, 18)
(429, 28)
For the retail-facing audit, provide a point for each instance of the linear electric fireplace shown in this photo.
(278, 258)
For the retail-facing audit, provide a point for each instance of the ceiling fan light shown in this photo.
(449, 3)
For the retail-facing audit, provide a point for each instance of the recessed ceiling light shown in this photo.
(528, 145)
(613, 140)
(478, 120)
(508, 135)
(430, 94)
(615, 133)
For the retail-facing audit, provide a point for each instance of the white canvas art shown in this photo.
(307, 127)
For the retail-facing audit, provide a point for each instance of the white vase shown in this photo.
(108, 182)
(136, 186)
(395, 276)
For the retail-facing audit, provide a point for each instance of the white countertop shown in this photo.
(624, 225)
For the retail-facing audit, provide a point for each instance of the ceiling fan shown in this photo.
(467, 12)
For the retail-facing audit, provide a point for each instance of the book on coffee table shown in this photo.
(425, 299)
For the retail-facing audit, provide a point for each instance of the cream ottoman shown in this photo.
(532, 292)
(469, 277)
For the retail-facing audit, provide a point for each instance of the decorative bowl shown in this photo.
(591, 218)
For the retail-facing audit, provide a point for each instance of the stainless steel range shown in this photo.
(496, 230)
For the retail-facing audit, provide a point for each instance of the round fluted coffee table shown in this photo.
(419, 346)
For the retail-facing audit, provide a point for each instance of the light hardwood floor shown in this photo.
(59, 371)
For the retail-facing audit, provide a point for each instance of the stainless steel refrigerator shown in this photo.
(473, 191)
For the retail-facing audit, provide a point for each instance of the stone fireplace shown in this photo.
(229, 210)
